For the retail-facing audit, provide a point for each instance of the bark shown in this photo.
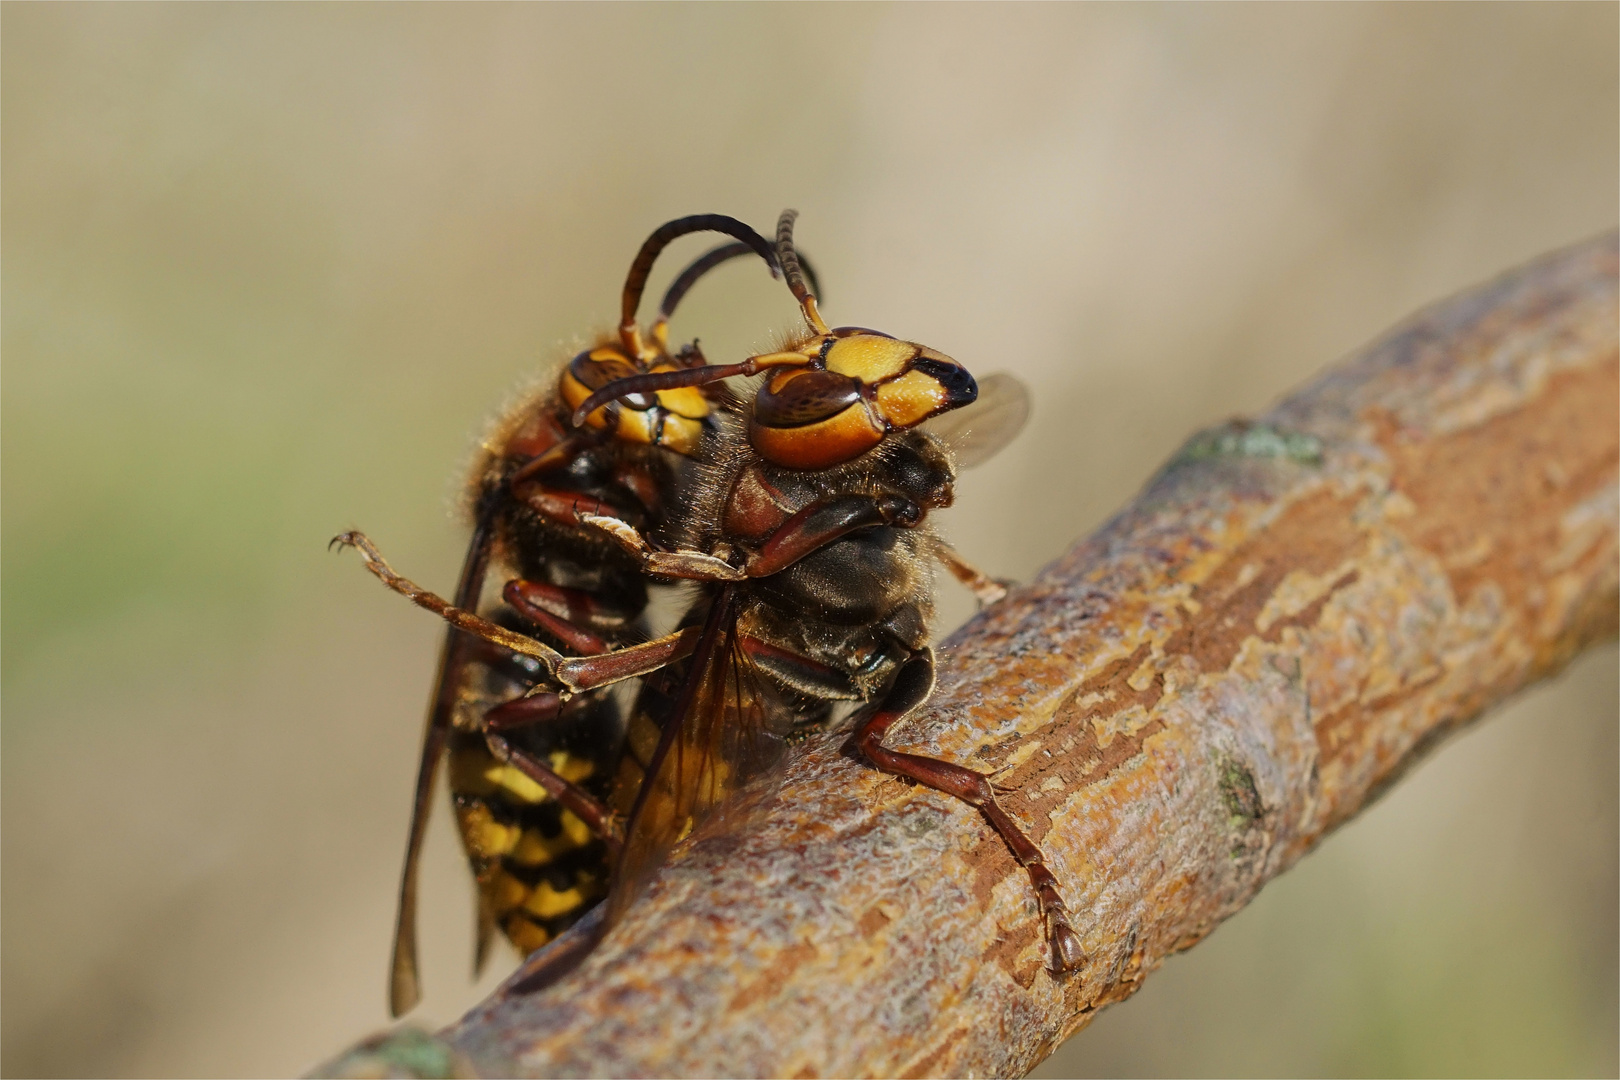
(1290, 613)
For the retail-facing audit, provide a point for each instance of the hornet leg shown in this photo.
(602, 822)
(985, 587)
(911, 687)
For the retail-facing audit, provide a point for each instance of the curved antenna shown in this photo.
(713, 258)
(789, 260)
(696, 376)
(635, 283)
(809, 273)
(700, 266)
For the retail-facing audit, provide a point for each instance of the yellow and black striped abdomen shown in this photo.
(538, 866)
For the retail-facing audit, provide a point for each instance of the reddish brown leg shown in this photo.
(573, 673)
(589, 672)
(561, 505)
(585, 806)
(526, 598)
(910, 689)
(807, 531)
(539, 709)
(824, 521)
(524, 711)
(579, 607)
(986, 588)
(691, 565)
(804, 669)
(460, 618)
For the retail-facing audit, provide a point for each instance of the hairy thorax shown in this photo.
(861, 604)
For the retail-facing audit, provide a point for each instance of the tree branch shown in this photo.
(1291, 613)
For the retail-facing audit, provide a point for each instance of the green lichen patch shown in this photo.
(1243, 438)
(406, 1053)
(1238, 793)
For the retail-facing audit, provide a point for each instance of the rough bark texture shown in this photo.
(1185, 703)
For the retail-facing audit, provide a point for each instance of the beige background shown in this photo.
(268, 268)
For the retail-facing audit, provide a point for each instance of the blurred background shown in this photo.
(268, 269)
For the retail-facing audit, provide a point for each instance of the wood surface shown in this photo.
(1290, 613)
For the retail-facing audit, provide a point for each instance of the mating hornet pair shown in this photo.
(800, 507)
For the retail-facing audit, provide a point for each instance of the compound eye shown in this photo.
(812, 420)
(595, 369)
(797, 398)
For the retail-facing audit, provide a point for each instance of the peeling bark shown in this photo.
(1291, 612)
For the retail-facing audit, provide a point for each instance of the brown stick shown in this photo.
(1291, 612)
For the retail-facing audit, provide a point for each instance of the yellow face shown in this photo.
(869, 357)
(861, 386)
(673, 419)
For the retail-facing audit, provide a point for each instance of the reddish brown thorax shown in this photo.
(540, 432)
(756, 507)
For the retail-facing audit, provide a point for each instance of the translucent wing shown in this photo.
(713, 741)
(977, 432)
(404, 985)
